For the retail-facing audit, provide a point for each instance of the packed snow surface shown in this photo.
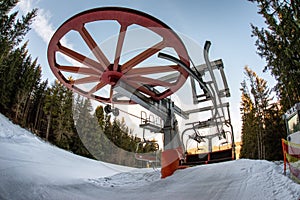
(33, 169)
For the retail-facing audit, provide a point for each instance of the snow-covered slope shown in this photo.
(33, 169)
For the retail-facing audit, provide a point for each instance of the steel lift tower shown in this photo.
(128, 82)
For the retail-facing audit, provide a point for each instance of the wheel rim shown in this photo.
(103, 72)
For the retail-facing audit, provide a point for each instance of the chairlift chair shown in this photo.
(150, 157)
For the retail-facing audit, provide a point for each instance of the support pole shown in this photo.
(165, 109)
(173, 150)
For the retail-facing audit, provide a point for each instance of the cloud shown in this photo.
(25, 5)
(40, 25)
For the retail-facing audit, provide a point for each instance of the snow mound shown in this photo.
(129, 179)
(33, 169)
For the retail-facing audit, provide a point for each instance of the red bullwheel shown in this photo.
(103, 73)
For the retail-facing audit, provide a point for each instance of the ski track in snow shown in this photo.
(129, 179)
(33, 169)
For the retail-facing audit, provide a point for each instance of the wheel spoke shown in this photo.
(81, 58)
(120, 45)
(97, 87)
(94, 47)
(111, 93)
(142, 56)
(149, 81)
(141, 88)
(89, 79)
(79, 70)
(152, 70)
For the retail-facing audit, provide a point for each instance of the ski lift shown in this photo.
(150, 157)
(142, 152)
(197, 136)
(129, 83)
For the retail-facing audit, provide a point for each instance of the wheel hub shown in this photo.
(111, 77)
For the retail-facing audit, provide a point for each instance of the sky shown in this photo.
(225, 23)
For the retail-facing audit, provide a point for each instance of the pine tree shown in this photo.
(58, 108)
(64, 122)
(99, 112)
(88, 130)
(279, 45)
(10, 70)
(12, 31)
(28, 78)
(76, 107)
(36, 111)
(262, 128)
(248, 149)
(51, 106)
(274, 132)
